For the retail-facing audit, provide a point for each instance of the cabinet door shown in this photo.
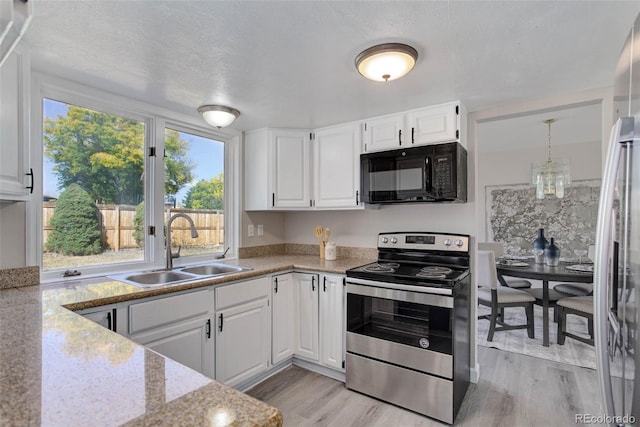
(332, 327)
(384, 133)
(306, 315)
(336, 166)
(188, 343)
(103, 317)
(14, 127)
(433, 124)
(282, 317)
(243, 347)
(291, 169)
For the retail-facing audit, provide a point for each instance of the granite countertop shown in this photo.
(59, 368)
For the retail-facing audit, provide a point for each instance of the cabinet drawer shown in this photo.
(160, 312)
(239, 293)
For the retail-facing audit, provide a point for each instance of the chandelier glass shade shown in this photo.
(218, 115)
(385, 62)
(551, 177)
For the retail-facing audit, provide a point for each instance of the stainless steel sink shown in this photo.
(158, 277)
(214, 269)
(148, 279)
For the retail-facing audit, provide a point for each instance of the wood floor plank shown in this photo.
(513, 390)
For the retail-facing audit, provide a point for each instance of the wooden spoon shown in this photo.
(327, 232)
(318, 231)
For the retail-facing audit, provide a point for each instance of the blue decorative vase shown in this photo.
(540, 244)
(552, 254)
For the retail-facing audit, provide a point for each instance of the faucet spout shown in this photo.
(194, 234)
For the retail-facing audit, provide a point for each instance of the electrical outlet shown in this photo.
(250, 230)
(260, 230)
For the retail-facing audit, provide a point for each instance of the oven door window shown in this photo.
(392, 178)
(408, 323)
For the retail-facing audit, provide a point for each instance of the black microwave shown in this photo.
(429, 173)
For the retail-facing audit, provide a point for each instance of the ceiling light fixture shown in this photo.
(218, 115)
(550, 177)
(388, 61)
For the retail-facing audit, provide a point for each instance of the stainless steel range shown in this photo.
(408, 323)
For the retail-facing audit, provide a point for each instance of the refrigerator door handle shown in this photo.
(601, 264)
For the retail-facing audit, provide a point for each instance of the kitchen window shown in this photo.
(113, 173)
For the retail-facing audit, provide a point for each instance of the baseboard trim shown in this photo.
(319, 369)
(474, 374)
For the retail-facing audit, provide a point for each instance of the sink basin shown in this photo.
(213, 269)
(157, 278)
(147, 279)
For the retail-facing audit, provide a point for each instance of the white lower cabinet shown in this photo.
(332, 321)
(305, 316)
(319, 318)
(243, 330)
(282, 317)
(177, 326)
(112, 317)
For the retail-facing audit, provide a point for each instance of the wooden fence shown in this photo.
(116, 223)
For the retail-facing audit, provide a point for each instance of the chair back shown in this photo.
(487, 275)
(495, 247)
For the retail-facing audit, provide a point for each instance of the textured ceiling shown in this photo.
(290, 63)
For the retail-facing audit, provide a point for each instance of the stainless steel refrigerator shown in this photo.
(617, 263)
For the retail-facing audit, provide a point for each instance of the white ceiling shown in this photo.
(290, 63)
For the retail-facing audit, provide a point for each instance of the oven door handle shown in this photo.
(437, 300)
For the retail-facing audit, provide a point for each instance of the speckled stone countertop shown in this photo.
(58, 368)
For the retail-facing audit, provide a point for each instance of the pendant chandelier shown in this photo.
(551, 177)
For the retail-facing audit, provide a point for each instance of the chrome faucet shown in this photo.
(194, 234)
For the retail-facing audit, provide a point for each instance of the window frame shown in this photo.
(156, 119)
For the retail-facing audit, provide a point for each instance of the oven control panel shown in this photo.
(425, 241)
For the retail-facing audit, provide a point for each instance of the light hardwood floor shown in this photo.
(514, 390)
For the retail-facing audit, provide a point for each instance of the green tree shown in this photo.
(207, 194)
(104, 154)
(76, 224)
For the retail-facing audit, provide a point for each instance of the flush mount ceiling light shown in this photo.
(218, 115)
(550, 177)
(388, 61)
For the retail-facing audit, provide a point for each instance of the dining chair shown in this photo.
(579, 306)
(498, 251)
(497, 297)
(578, 289)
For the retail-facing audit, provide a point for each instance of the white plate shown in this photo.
(581, 267)
(521, 257)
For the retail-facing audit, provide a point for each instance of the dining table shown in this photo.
(563, 272)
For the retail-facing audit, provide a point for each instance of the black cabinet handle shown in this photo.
(400, 137)
(208, 328)
(412, 132)
(324, 284)
(221, 318)
(30, 187)
(357, 197)
(313, 284)
(273, 199)
(109, 323)
(276, 281)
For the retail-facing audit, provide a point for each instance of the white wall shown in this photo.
(361, 228)
(12, 235)
(513, 167)
(273, 224)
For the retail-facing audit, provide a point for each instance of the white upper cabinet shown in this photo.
(429, 125)
(336, 167)
(433, 125)
(277, 169)
(15, 16)
(383, 133)
(16, 180)
(291, 175)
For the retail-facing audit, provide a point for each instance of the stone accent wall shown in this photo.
(514, 215)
